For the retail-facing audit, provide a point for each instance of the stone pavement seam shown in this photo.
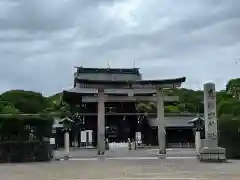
(145, 178)
(125, 158)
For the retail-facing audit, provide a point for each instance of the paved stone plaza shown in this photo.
(92, 153)
(169, 169)
(121, 150)
(121, 164)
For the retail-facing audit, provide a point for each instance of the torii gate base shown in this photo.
(211, 151)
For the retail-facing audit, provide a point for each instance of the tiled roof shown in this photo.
(108, 70)
(141, 82)
(177, 121)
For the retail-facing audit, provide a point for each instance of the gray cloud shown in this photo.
(41, 41)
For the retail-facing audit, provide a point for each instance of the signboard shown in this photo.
(89, 136)
(112, 132)
(139, 137)
(52, 141)
(210, 115)
(83, 136)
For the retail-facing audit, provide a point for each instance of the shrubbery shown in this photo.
(25, 138)
(229, 135)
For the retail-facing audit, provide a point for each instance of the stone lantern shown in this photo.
(67, 123)
(199, 130)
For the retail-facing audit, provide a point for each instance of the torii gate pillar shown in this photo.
(161, 123)
(101, 122)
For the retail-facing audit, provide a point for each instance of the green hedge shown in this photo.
(28, 151)
(19, 127)
(25, 138)
(229, 135)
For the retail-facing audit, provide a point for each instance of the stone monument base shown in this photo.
(67, 157)
(212, 154)
(101, 153)
(161, 154)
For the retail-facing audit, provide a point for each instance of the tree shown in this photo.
(229, 134)
(233, 88)
(142, 107)
(57, 106)
(172, 109)
(26, 101)
(8, 108)
(54, 99)
(223, 96)
(189, 100)
(230, 107)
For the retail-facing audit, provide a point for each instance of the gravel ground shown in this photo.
(121, 150)
(181, 169)
(122, 164)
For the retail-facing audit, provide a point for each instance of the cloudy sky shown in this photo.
(42, 40)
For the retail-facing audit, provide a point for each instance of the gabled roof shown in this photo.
(176, 121)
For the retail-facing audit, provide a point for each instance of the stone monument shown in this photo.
(211, 151)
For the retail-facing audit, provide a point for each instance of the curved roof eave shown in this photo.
(141, 87)
(115, 92)
(140, 82)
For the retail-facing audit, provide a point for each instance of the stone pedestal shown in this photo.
(201, 144)
(211, 151)
(66, 145)
(197, 142)
(213, 154)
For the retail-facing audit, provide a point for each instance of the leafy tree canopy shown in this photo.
(233, 88)
(20, 101)
(24, 101)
